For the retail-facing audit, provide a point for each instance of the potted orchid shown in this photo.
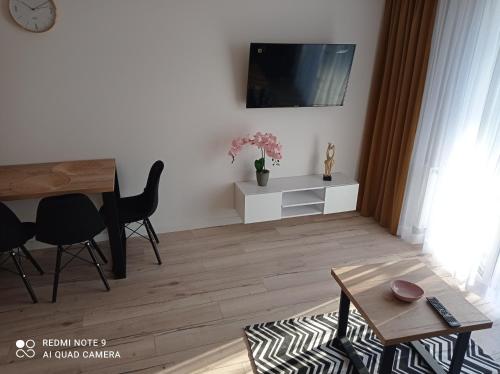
(268, 146)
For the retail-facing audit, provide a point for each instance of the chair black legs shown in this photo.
(148, 222)
(19, 267)
(152, 240)
(32, 260)
(97, 265)
(152, 237)
(20, 270)
(96, 247)
(56, 273)
(90, 248)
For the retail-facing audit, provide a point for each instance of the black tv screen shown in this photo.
(298, 75)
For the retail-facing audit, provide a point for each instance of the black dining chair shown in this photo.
(65, 221)
(140, 207)
(13, 235)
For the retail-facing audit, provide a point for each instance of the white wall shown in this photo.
(156, 79)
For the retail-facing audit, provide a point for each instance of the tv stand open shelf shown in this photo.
(295, 197)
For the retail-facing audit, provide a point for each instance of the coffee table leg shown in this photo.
(387, 359)
(343, 315)
(342, 342)
(459, 352)
(427, 357)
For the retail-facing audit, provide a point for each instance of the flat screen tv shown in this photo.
(298, 75)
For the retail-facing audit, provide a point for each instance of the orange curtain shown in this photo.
(394, 107)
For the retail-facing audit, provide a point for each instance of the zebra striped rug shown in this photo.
(305, 346)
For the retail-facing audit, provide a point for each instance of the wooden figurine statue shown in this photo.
(329, 162)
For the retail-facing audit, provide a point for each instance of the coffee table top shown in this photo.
(393, 321)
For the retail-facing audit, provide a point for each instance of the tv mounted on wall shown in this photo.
(298, 75)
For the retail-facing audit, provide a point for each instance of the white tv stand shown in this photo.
(294, 197)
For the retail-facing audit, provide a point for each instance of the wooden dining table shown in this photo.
(32, 181)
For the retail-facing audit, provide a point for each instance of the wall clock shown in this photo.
(33, 15)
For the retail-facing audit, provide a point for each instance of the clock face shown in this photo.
(33, 15)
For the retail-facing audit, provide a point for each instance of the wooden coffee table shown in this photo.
(394, 321)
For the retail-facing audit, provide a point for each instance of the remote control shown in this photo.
(443, 312)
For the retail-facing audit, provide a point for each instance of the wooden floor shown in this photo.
(187, 315)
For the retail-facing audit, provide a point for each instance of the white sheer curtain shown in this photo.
(452, 199)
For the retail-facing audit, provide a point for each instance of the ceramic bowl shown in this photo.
(406, 291)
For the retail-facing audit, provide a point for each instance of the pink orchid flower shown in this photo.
(267, 143)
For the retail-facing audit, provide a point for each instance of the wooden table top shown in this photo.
(31, 181)
(394, 321)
